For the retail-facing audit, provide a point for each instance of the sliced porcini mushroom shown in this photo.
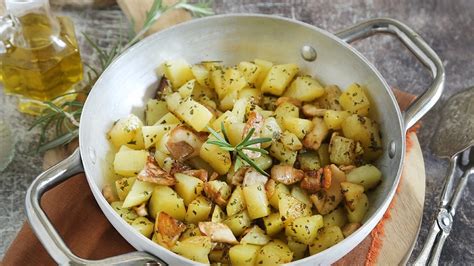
(329, 198)
(218, 232)
(253, 177)
(310, 110)
(286, 174)
(316, 136)
(154, 174)
(284, 99)
(236, 178)
(312, 180)
(198, 173)
(163, 88)
(270, 187)
(108, 193)
(179, 167)
(184, 143)
(254, 120)
(141, 210)
(217, 191)
(169, 229)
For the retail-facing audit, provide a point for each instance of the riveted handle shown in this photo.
(418, 47)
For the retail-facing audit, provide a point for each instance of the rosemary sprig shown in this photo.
(238, 150)
(59, 122)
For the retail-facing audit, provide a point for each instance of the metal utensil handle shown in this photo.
(46, 232)
(418, 47)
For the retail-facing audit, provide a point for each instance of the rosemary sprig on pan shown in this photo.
(238, 150)
(59, 122)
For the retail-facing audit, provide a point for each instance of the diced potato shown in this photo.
(166, 200)
(228, 101)
(161, 144)
(144, 226)
(154, 111)
(366, 175)
(244, 255)
(352, 193)
(220, 188)
(188, 187)
(361, 207)
(330, 100)
(327, 200)
(198, 210)
(365, 131)
(216, 157)
(161, 158)
(300, 194)
(238, 222)
(298, 248)
(304, 229)
(153, 134)
(283, 154)
(127, 131)
(249, 71)
(217, 81)
(278, 78)
(270, 129)
(128, 214)
(305, 89)
(334, 119)
(269, 102)
(309, 160)
(236, 202)
(323, 153)
(276, 252)
(139, 193)
(291, 141)
(169, 119)
(286, 110)
(256, 201)
(247, 93)
(218, 215)
(337, 217)
(326, 238)
(280, 191)
(196, 248)
(201, 74)
(234, 81)
(255, 236)
(350, 228)
(129, 162)
(297, 126)
(186, 90)
(355, 100)
(191, 230)
(342, 151)
(290, 208)
(264, 161)
(123, 186)
(194, 114)
(234, 132)
(273, 224)
(212, 65)
(177, 72)
(265, 67)
(239, 109)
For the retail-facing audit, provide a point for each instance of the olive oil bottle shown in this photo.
(40, 58)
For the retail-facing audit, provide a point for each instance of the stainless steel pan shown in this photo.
(131, 79)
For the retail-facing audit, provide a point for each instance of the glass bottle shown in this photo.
(39, 55)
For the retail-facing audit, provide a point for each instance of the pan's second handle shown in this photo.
(45, 231)
(418, 47)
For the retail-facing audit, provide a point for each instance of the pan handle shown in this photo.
(45, 231)
(418, 47)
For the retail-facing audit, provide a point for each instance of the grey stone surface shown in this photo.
(446, 25)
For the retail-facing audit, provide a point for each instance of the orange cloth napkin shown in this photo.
(75, 214)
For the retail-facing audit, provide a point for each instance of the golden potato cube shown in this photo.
(217, 158)
(285, 110)
(235, 132)
(144, 226)
(196, 248)
(153, 134)
(264, 162)
(234, 80)
(276, 252)
(265, 67)
(256, 201)
(227, 102)
(283, 154)
(365, 131)
(367, 175)
(165, 199)
(305, 89)
(239, 109)
(177, 72)
(298, 248)
(361, 206)
(218, 215)
(342, 151)
(168, 119)
(326, 238)
(123, 186)
(355, 100)
(273, 224)
(238, 222)
(280, 191)
(334, 119)
(352, 193)
(337, 217)
(304, 229)
(186, 90)
(244, 255)
(198, 210)
(188, 187)
(139, 193)
(291, 141)
(300, 194)
(309, 160)
(129, 162)
(191, 230)
(290, 208)
(128, 214)
(155, 110)
(194, 114)
(127, 131)
(247, 93)
(297, 126)
(271, 129)
(255, 236)
(278, 78)
(249, 71)
(201, 74)
(236, 202)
